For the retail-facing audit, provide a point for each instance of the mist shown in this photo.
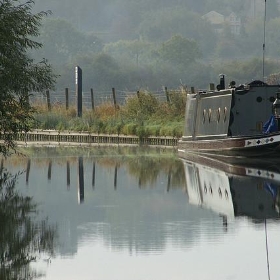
(141, 44)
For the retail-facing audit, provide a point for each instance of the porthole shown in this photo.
(209, 115)
(225, 114)
(218, 115)
(220, 192)
(226, 193)
(205, 188)
(204, 115)
(259, 99)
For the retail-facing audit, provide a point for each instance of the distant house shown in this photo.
(218, 21)
(235, 23)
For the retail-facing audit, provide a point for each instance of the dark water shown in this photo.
(137, 214)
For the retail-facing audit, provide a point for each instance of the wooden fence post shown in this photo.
(48, 100)
(67, 98)
(79, 91)
(167, 95)
(114, 97)
(92, 99)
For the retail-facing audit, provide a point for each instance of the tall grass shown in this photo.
(142, 115)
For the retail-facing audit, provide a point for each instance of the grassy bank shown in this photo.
(142, 115)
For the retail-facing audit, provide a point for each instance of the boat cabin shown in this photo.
(232, 112)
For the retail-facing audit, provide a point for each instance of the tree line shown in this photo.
(148, 44)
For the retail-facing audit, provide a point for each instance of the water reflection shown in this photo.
(126, 210)
(124, 197)
(23, 238)
(249, 190)
(233, 190)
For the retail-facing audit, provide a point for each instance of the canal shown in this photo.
(136, 214)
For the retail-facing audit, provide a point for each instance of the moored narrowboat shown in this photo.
(234, 121)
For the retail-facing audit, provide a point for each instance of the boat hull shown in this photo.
(252, 146)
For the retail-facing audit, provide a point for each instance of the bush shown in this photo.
(142, 115)
(129, 129)
(140, 107)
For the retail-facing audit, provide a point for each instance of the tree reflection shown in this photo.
(22, 238)
(148, 169)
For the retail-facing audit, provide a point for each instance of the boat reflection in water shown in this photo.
(233, 190)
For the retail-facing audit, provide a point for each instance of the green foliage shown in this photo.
(48, 120)
(132, 35)
(142, 115)
(99, 70)
(179, 50)
(19, 73)
(247, 70)
(150, 44)
(129, 129)
(136, 51)
(139, 108)
(62, 41)
(163, 23)
(178, 102)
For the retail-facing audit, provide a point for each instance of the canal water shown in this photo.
(138, 214)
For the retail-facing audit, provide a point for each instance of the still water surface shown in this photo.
(130, 214)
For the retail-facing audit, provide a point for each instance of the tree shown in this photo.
(62, 41)
(161, 25)
(133, 51)
(179, 50)
(19, 73)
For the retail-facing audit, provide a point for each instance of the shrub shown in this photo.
(142, 115)
(105, 112)
(129, 129)
(140, 107)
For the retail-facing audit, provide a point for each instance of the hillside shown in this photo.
(149, 44)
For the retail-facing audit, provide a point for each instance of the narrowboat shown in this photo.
(234, 121)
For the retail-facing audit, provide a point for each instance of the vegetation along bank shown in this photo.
(142, 116)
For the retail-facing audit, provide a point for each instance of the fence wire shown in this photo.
(99, 97)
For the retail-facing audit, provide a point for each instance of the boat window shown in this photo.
(204, 115)
(226, 194)
(218, 115)
(259, 99)
(225, 114)
(205, 188)
(209, 114)
(220, 192)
